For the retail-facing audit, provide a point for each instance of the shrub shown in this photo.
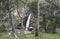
(3, 28)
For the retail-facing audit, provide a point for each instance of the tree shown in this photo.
(11, 17)
(38, 12)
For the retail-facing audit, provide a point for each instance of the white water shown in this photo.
(28, 21)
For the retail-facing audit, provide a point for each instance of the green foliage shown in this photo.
(5, 37)
(42, 30)
(3, 28)
(41, 36)
(33, 7)
(57, 30)
(47, 8)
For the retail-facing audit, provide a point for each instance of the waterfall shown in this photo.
(28, 21)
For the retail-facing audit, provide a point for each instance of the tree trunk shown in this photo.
(37, 16)
(11, 18)
(12, 23)
(54, 27)
(22, 25)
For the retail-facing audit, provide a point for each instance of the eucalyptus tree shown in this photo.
(55, 9)
(38, 13)
(47, 10)
(10, 9)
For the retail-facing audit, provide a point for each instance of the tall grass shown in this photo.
(32, 36)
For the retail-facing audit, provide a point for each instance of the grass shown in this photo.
(31, 36)
(5, 37)
(41, 36)
(50, 36)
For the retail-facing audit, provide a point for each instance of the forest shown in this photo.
(29, 19)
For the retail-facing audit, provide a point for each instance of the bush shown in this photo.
(3, 28)
(57, 31)
(42, 30)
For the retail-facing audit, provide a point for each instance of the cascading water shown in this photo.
(28, 21)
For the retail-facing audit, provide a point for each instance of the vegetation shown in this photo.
(5, 37)
(31, 36)
(45, 18)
